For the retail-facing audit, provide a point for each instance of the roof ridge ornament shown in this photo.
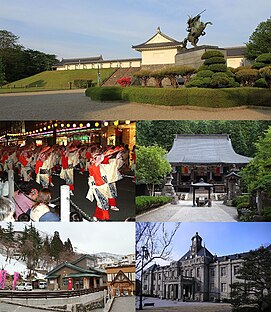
(158, 29)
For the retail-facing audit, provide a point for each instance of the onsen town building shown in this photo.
(198, 275)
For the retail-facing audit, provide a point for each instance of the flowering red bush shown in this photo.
(124, 81)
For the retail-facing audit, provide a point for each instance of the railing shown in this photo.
(49, 294)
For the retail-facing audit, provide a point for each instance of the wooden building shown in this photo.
(121, 280)
(208, 156)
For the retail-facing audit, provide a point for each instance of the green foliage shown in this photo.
(266, 74)
(267, 214)
(149, 202)
(213, 53)
(230, 97)
(219, 80)
(261, 83)
(247, 76)
(199, 82)
(259, 41)
(240, 199)
(105, 93)
(255, 279)
(243, 134)
(202, 67)
(205, 73)
(256, 174)
(215, 60)
(264, 58)
(152, 166)
(218, 67)
(8, 40)
(57, 246)
(2, 73)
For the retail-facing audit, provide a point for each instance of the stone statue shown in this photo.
(195, 29)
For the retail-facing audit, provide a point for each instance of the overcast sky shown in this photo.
(81, 28)
(223, 238)
(112, 237)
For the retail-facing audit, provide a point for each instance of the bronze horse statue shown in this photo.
(196, 28)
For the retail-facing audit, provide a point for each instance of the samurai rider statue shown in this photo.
(196, 28)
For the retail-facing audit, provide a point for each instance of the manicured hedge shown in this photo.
(104, 93)
(203, 97)
(149, 202)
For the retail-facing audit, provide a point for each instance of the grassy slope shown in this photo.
(60, 79)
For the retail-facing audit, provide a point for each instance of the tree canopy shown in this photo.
(259, 41)
(254, 286)
(152, 166)
(257, 174)
(243, 134)
(17, 62)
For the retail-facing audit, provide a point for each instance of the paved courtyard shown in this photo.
(74, 105)
(184, 212)
(169, 305)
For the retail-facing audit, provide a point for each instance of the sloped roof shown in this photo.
(68, 265)
(170, 42)
(86, 256)
(204, 149)
(203, 252)
(236, 51)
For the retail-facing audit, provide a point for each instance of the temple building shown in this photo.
(198, 275)
(207, 157)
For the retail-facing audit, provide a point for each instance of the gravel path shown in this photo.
(73, 104)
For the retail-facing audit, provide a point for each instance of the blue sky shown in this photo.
(221, 238)
(110, 27)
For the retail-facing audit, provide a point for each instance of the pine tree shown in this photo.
(56, 246)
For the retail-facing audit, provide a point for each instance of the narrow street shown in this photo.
(123, 304)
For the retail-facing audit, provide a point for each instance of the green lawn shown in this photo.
(55, 80)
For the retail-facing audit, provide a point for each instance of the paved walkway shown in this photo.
(123, 304)
(184, 212)
(183, 306)
(73, 104)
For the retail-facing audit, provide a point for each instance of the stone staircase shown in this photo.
(119, 73)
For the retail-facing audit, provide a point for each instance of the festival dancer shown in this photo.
(70, 159)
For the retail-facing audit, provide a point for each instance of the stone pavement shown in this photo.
(73, 104)
(123, 304)
(183, 306)
(184, 212)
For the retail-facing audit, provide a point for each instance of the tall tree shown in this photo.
(8, 40)
(2, 73)
(255, 280)
(57, 246)
(153, 241)
(259, 41)
(152, 166)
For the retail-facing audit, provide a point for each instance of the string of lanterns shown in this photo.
(62, 127)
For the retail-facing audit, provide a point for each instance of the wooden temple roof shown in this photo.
(204, 149)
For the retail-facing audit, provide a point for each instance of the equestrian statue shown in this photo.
(196, 28)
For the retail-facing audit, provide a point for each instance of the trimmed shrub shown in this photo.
(266, 74)
(264, 58)
(247, 76)
(82, 84)
(261, 83)
(205, 73)
(150, 202)
(218, 67)
(215, 60)
(105, 93)
(257, 65)
(228, 97)
(219, 80)
(213, 53)
(199, 82)
(203, 67)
